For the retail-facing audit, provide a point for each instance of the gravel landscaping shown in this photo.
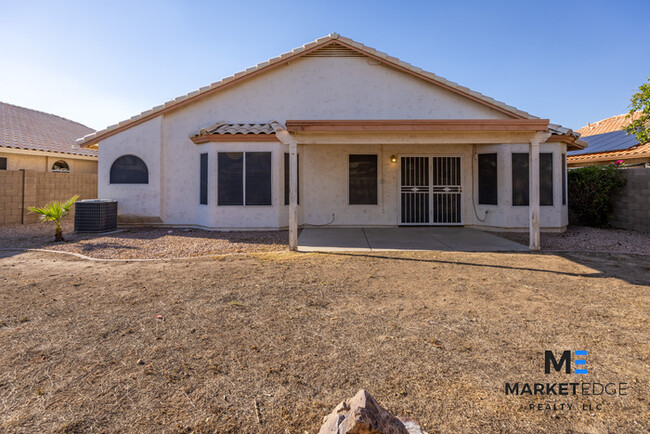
(143, 243)
(157, 243)
(586, 239)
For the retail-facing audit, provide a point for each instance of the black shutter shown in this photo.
(487, 179)
(546, 178)
(203, 194)
(258, 178)
(563, 179)
(230, 178)
(363, 180)
(286, 178)
(520, 181)
(129, 169)
(3, 163)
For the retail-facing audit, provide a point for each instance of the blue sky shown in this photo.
(99, 62)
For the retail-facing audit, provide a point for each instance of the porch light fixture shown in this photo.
(393, 158)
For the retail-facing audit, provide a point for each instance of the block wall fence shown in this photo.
(22, 188)
(632, 204)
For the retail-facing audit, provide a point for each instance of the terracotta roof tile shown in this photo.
(224, 127)
(639, 151)
(615, 123)
(23, 128)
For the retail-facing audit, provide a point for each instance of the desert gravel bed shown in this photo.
(143, 243)
(586, 239)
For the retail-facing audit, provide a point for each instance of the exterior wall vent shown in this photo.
(335, 50)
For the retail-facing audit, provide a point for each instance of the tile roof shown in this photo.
(640, 151)
(614, 123)
(23, 128)
(224, 127)
(331, 39)
(607, 142)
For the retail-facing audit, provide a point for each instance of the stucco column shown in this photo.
(533, 187)
(293, 195)
(533, 194)
(285, 137)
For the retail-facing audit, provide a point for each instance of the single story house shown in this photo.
(609, 143)
(336, 133)
(43, 142)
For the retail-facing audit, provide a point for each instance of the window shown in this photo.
(3, 163)
(286, 178)
(487, 179)
(60, 166)
(546, 179)
(363, 179)
(203, 176)
(129, 169)
(244, 178)
(520, 181)
(563, 179)
(258, 178)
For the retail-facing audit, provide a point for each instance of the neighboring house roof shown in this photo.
(608, 142)
(23, 128)
(324, 46)
(637, 152)
(614, 123)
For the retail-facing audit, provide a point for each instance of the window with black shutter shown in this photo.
(520, 180)
(258, 178)
(203, 176)
(286, 178)
(230, 178)
(563, 179)
(3, 163)
(487, 179)
(546, 179)
(129, 169)
(244, 178)
(363, 179)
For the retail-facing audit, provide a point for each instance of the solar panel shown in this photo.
(613, 141)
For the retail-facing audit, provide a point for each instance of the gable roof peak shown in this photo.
(385, 59)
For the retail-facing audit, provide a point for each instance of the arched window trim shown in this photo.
(138, 173)
(64, 163)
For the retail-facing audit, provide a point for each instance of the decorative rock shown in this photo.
(361, 415)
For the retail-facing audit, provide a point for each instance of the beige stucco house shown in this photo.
(42, 142)
(336, 133)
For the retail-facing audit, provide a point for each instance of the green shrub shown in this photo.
(591, 190)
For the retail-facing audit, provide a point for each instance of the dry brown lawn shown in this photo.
(431, 335)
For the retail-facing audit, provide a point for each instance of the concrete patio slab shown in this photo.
(403, 239)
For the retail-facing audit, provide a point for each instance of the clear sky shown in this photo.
(100, 62)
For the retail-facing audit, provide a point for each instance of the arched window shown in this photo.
(129, 169)
(60, 166)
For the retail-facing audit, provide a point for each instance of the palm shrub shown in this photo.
(591, 190)
(54, 212)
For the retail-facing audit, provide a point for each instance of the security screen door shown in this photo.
(430, 191)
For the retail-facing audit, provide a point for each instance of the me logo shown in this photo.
(565, 360)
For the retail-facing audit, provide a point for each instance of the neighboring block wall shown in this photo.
(632, 205)
(40, 188)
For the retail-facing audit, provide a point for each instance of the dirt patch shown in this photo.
(144, 243)
(189, 345)
(586, 239)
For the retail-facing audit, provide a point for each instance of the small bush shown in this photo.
(591, 190)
